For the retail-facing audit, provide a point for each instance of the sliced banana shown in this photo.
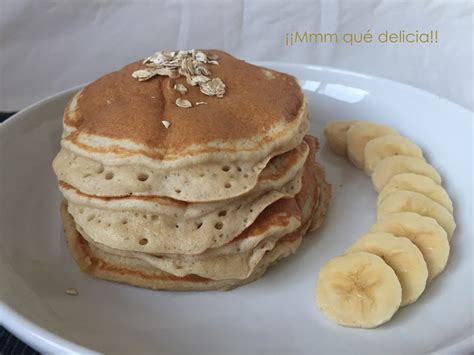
(409, 201)
(424, 232)
(336, 135)
(402, 256)
(387, 146)
(358, 290)
(359, 135)
(417, 183)
(391, 166)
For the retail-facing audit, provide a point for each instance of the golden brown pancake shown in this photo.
(115, 143)
(188, 189)
(119, 107)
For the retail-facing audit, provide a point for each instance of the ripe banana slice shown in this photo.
(409, 201)
(424, 232)
(402, 256)
(358, 290)
(387, 146)
(391, 166)
(359, 135)
(417, 183)
(336, 135)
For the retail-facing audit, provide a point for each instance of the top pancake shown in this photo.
(118, 119)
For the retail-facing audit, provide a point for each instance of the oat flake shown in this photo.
(183, 103)
(181, 88)
(71, 292)
(188, 63)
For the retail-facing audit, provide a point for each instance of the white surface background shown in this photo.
(50, 45)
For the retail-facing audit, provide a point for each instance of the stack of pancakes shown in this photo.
(207, 201)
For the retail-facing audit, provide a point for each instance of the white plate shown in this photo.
(274, 315)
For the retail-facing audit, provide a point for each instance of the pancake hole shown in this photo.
(143, 177)
(221, 235)
(227, 185)
(246, 176)
(245, 220)
(239, 169)
(178, 191)
(86, 175)
(154, 217)
(99, 221)
(81, 210)
(202, 175)
(100, 170)
(109, 176)
(199, 225)
(90, 217)
(145, 216)
(238, 250)
(143, 241)
(238, 207)
(108, 225)
(222, 213)
(218, 225)
(124, 221)
(251, 210)
(177, 226)
(136, 214)
(225, 168)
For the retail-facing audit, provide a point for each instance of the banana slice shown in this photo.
(336, 135)
(409, 201)
(358, 290)
(402, 256)
(424, 232)
(387, 146)
(359, 135)
(391, 166)
(417, 183)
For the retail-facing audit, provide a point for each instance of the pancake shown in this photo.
(324, 198)
(158, 234)
(190, 170)
(154, 233)
(263, 114)
(232, 265)
(181, 234)
(279, 171)
(137, 272)
(273, 224)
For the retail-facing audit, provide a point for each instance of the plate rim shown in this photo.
(49, 342)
